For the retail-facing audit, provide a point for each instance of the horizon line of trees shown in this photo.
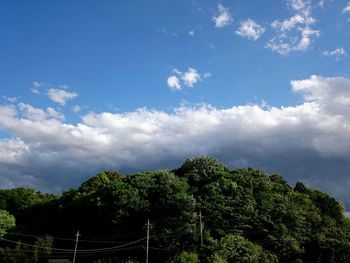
(247, 215)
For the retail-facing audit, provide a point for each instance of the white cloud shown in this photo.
(36, 87)
(189, 78)
(32, 113)
(60, 96)
(211, 45)
(224, 18)
(347, 8)
(298, 5)
(191, 33)
(36, 114)
(10, 99)
(174, 83)
(294, 33)
(250, 29)
(54, 114)
(331, 94)
(321, 3)
(337, 53)
(309, 142)
(207, 75)
(305, 41)
(76, 108)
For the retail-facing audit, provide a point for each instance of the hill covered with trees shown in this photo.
(200, 212)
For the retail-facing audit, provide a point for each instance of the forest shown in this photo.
(199, 212)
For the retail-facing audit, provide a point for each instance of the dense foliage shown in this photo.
(247, 215)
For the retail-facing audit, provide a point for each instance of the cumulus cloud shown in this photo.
(37, 114)
(308, 142)
(224, 18)
(174, 83)
(347, 8)
(250, 29)
(294, 33)
(60, 96)
(188, 78)
(337, 53)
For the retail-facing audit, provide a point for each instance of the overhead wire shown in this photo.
(55, 252)
(68, 239)
(72, 250)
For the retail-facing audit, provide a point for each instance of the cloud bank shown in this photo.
(308, 142)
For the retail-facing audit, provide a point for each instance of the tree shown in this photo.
(43, 247)
(200, 171)
(7, 222)
(99, 181)
(247, 215)
(186, 257)
(300, 187)
(235, 248)
(217, 259)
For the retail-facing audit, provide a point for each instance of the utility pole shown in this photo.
(147, 241)
(201, 226)
(76, 245)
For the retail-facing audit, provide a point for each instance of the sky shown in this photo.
(131, 85)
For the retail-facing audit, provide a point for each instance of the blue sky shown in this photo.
(129, 85)
(125, 50)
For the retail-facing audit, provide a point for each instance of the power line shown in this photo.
(90, 241)
(68, 239)
(88, 253)
(72, 250)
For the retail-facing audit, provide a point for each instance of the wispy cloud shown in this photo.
(337, 53)
(76, 108)
(191, 33)
(294, 33)
(36, 87)
(250, 29)
(10, 99)
(60, 96)
(224, 18)
(207, 75)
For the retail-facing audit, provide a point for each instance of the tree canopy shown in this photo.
(247, 215)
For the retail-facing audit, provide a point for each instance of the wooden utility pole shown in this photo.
(147, 247)
(76, 245)
(201, 226)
